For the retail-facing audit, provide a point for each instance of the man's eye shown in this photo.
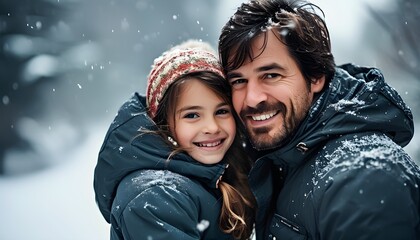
(271, 75)
(237, 82)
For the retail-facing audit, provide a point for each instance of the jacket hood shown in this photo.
(357, 100)
(126, 149)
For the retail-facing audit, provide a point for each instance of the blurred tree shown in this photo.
(69, 64)
(403, 24)
(28, 53)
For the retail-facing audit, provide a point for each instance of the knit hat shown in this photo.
(189, 57)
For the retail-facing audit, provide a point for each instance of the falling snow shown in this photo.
(77, 156)
(203, 225)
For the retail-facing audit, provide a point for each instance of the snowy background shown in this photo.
(67, 65)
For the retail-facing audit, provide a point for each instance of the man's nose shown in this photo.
(255, 94)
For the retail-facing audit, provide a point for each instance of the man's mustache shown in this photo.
(263, 107)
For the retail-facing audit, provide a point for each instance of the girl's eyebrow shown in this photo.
(189, 108)
(195, 107)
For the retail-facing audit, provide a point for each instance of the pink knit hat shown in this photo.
(175, 63)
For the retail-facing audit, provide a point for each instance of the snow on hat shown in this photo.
(189, 57)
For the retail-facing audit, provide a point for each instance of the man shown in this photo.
(328, 140)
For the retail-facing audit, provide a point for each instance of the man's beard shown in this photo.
(261, 138)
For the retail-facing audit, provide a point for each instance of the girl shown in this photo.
(184, 175)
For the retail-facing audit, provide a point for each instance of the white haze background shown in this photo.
(58, 202)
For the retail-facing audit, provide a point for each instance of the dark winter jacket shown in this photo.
(145, 196)
(344, 175)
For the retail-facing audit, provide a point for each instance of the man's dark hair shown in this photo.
(295, 23)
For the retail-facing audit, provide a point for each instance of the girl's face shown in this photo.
(203, 124)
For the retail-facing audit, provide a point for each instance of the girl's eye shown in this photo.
(191, 115)
(223, 111)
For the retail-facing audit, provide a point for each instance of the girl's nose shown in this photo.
(211, 126)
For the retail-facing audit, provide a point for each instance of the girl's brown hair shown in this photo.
(238, 208)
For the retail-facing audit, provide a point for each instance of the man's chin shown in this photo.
(265, 140)
(262, 143)
(263, 146)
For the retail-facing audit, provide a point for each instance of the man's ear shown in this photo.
(317, 84)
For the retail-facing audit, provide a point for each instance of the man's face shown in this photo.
(270, 93)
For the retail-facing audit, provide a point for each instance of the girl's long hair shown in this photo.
(238, 203)
(238, 212)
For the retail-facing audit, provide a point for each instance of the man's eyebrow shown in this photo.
(270, 67)
(233, 75)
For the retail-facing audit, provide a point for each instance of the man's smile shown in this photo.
(265, 116)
